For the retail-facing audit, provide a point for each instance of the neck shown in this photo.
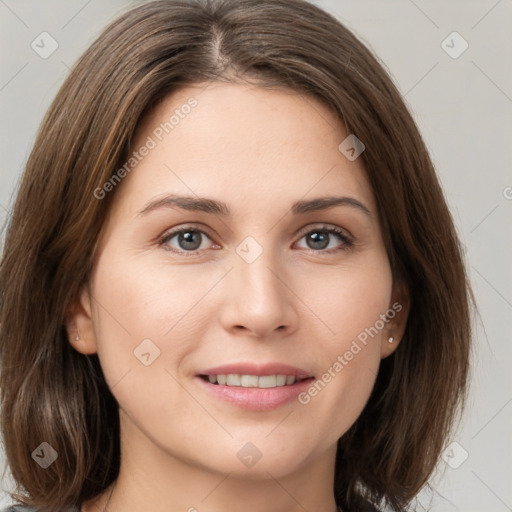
(150, 478)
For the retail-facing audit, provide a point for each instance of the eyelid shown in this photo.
(196, 226)
(323, 226)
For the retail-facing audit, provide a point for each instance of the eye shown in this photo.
(319, 239)
(188, 239)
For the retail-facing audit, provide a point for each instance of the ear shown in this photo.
(397, 319)
(79, 325)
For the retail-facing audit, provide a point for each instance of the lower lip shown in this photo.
(256, 399)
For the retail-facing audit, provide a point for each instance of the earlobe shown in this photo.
(388, 346)
(398, 313)
(79, 324)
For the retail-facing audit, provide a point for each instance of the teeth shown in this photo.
(252, 381)
(249, 381)
(268, 381)
(233, 380)
(281, 380)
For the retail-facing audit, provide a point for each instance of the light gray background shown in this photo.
(463, 107)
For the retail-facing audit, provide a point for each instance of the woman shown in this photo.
(231, 279)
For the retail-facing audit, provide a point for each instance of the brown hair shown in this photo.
(52, 393)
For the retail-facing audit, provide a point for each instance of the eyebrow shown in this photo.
(215, 207)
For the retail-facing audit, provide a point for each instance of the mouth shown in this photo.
(252, 381)
(255, 387)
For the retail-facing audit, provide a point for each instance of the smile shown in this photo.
(251, 381)
(254, 387)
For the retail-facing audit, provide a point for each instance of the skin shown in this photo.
(259, 151)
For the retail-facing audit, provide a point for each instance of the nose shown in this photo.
(259, 301)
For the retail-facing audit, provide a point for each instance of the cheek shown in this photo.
(142, 308)
(147, 324)
(350, 305)
(348, 302)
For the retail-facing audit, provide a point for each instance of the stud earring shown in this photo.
(391, 339)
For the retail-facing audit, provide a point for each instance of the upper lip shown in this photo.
(257, 369)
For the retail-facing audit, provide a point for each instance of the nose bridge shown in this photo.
(255, 268)
(259, 300)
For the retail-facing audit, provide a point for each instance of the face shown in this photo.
(246, 321)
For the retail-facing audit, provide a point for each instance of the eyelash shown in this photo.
(347, 242)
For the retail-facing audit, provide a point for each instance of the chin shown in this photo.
(254, 460)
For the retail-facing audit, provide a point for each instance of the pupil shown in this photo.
(319, 240)
(189, 240)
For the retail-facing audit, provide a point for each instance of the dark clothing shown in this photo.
(24, 508)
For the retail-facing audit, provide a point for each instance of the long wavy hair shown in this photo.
(52, 393)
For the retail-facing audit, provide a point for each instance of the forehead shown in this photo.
(249, 146)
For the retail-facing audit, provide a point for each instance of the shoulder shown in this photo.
(18, 508)
(26, 508)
